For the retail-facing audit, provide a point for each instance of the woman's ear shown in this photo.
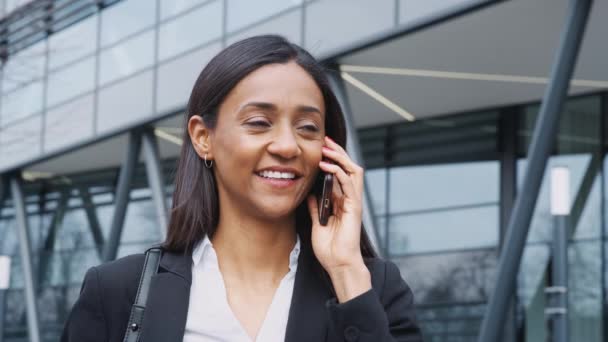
(200, 136)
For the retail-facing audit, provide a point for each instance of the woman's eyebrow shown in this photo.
(259, 105)
(309, 109)
(271, 107)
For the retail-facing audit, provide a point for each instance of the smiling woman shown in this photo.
(246, 258)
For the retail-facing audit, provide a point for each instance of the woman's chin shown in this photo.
(275, 211)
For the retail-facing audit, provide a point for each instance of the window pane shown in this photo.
(172, 7)
(127, 57)
(73, 42)
(245, 12)
(376, 184)
(69, 123)
(125, 103)
(23, 67)
(289, 25)
(126, 18)
(176, 78)
(460, 276)
(190, 30)
(355, 22)
(20, 142)
(21, 102)
(66, 83)
(466, 228)
(439, 186)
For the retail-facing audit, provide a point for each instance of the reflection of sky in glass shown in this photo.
(440, 207)
(438, 186)
(125, 18)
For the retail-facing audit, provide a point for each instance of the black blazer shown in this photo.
(101, 313)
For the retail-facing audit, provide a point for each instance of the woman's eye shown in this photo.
(259, 123)
(310, 128)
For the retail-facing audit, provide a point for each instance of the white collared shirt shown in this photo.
(210, 317)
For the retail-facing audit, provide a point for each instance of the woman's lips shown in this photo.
(281, 183)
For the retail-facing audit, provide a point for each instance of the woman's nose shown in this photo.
(285, 144)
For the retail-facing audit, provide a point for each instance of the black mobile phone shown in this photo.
(325, 203)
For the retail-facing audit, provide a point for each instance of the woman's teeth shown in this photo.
(277, 175)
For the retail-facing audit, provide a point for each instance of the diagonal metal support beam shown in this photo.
(543, 141)
(33, 326)
(89, 209)
(44, 257)
(354, 150)
(155, 179)
(122, 195)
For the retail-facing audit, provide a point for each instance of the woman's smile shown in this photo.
(279, 177)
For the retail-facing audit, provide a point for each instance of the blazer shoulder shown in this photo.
(121, 276)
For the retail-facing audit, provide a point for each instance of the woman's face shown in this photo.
(267, 142)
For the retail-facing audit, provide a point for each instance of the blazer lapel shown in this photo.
(167, 305)
(308, 316)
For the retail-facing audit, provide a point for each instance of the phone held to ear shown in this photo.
(325, 202)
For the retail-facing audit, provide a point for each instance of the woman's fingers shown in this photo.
(336, 153)
(346, 183)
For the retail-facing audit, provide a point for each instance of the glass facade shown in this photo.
(436, 192)
(437, 185)
(92, 50)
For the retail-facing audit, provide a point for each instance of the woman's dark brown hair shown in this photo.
(195, 209)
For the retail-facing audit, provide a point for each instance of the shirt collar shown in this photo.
(204, 249)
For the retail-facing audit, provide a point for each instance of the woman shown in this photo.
(246, 258)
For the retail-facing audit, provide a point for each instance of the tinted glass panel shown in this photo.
(191, 30)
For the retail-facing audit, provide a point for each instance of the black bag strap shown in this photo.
(137, 310)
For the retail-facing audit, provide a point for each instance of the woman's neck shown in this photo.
(254, 250)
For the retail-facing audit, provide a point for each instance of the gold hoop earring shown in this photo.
(208, 164)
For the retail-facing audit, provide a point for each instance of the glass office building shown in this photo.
(443, 94)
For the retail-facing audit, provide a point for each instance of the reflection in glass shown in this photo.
(66, 83)
(244, 12)
(126, 58)
(585, 291)
(21, 102)
(23, 67)
(441, 230)
(376, 183)
(126, 18)
(356, 23)
(288, 25)
(20, 141)
(190, 30)
(172, 7)
(444, 185)
(176, 77)
(125, 102)
(578, 148)
(69, 123)
(450, 291)
(73, 42)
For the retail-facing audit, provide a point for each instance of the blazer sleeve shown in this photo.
(86, 321)
(385, 314)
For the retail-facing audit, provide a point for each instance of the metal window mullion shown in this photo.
(543, 140)
(33, 325)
